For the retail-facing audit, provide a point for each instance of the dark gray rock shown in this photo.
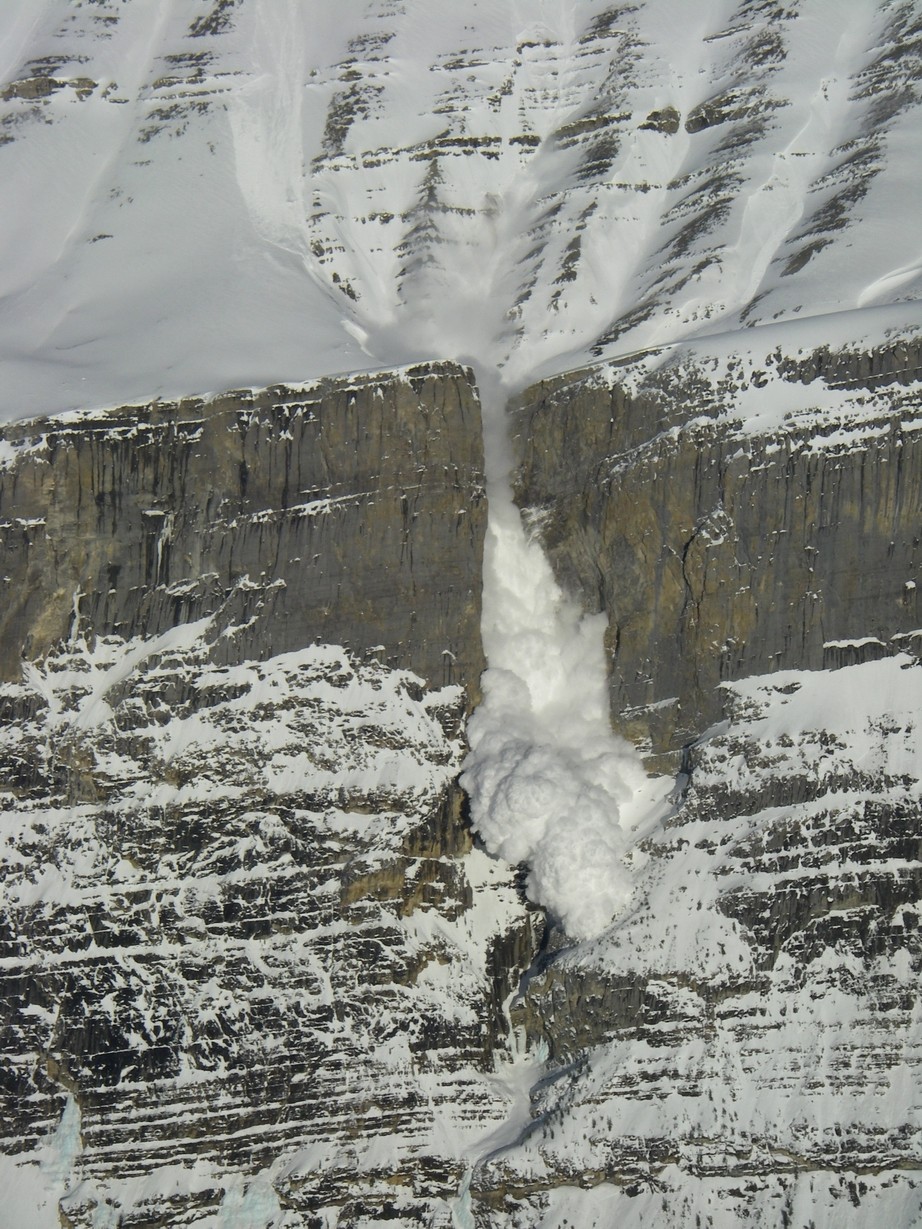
(718, 553)
(350, 511)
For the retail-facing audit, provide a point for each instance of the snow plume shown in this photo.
(546, 776)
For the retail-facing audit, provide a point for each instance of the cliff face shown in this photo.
(742, 1045)
(731, 516)
(252, 964)
(347, 511)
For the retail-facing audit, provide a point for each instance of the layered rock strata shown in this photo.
(744, 1045)
(722, 545)
(253, 969)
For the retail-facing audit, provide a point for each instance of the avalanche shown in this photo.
(502, 184)
(202, 196)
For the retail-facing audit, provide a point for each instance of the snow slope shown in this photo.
(202, 194)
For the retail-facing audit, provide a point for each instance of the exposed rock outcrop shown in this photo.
(349, 511)
(719, 547)
(250, 956)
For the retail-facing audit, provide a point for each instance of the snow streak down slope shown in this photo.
(207, 193)
(598, 179)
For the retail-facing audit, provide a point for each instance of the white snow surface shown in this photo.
(296, 188)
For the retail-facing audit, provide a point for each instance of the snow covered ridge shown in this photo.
(820, 376)
(811, 376)
(212, 194)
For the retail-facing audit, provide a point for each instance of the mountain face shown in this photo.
(252, 960)
(483, 788)
(733, 511)
(741, 1044)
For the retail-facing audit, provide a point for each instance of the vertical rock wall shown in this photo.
(718, 550)
(349, 510)
(252, 965)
